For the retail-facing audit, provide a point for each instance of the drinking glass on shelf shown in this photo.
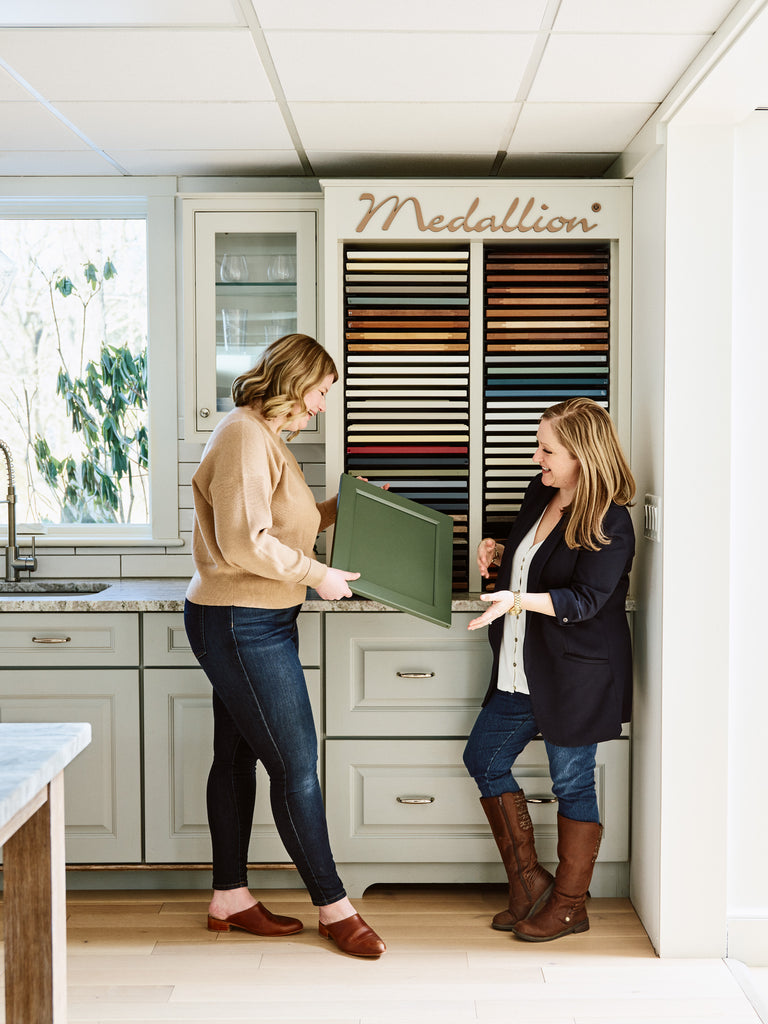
(282, 267)
(234, 268)
(273, 329)
(234, 323)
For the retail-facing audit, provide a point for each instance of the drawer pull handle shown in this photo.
(415, 799)
(541, 799)
(415, 675)
(51, 639)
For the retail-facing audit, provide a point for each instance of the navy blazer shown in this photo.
(579, 662)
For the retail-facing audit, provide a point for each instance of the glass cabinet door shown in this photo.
(254, 282)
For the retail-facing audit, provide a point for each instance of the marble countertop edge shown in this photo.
(31, 755)
(166, 594)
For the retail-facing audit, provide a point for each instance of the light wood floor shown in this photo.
(147, 956)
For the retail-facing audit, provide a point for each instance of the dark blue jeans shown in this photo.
(261, 712)
(503, 729)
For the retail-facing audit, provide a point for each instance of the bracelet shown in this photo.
(517, 607)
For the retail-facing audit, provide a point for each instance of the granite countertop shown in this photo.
(165, 595)
(31, 754)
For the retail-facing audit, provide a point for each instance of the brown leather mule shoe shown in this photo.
(352, 935)
(258, 921)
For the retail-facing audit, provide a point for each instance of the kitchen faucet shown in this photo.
(14, 562)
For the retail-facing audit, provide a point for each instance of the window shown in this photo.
(73, 342)
(87, 398)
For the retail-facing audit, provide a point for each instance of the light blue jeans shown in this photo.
(502, 730)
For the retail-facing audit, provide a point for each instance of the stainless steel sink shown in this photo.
(52, 588)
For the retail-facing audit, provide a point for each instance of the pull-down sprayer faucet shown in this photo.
(14, 562)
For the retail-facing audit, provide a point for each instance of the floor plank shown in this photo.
(147, 956)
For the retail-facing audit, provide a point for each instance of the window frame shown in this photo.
(153, 202)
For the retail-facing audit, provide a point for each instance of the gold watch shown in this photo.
(517, 607)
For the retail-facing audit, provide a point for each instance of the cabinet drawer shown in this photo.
(390, 674)
(412, 800)
(166, 645)
(178, 745)
(61, 639)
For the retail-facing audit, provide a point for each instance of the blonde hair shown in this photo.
(289, 368)
(587, 432)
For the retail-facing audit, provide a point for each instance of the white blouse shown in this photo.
(512, 676)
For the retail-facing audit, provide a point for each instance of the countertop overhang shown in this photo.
(167, 595)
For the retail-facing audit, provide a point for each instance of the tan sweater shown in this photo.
(256, 519)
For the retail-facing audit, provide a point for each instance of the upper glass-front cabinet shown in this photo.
(254, 281)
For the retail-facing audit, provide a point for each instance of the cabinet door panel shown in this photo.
(177, 758)
(102, 791)
(166, 644)
(412, 800)
(393, 675)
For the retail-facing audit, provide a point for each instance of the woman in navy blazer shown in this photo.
(562, 660)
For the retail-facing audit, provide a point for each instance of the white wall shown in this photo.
(748, 714)
(696, 525)
(649, 201)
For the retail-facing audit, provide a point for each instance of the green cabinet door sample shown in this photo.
(403, 550)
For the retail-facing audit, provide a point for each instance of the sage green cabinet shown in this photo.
(69, 667)
(401, 698)
(178, 743)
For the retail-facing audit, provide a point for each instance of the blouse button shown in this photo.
(565, 619)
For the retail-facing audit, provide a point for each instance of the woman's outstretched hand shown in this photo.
(502, 601)
(335, 585)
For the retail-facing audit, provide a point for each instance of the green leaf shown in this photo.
(65, 286)
(91, 275)
(109, 270)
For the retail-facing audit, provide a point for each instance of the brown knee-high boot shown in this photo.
(565, 911)
(529, 882)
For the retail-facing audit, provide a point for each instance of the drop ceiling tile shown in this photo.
(118, 12)
(188, 126)
(400, 165)
(686, 16)
(137, 64)
(11, 91)
(556, 165)
(54, 162)
(404, 127)
(624, 69)
(30, 126)
(210, 162)
(578, 127)
(403, 15)
(390, 67)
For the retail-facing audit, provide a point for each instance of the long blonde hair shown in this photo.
(587, 432)
(289, 368)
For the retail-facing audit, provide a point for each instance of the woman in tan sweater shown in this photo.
(255, 525)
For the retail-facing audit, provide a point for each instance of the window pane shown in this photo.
(73, 347)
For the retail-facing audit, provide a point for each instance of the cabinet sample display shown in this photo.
(83, 668)
(456, 329)
(547, 338)
(250, 276)
(406, 362)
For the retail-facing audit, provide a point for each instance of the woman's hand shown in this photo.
(334, 585)
(502, 602)
(486, 551)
